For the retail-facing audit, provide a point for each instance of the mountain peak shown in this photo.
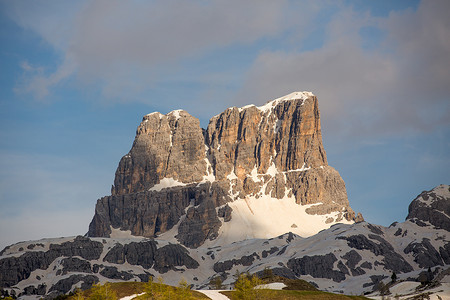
(289, 97)
(296, 96)
(206, 185)
(431, 208)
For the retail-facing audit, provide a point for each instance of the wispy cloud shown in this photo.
(39, 83)
(128, 45)
(396, 86)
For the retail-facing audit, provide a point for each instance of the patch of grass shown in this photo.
(123, 289)
(293, 284)
(292, 294)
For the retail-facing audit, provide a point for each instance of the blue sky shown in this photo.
(76, 77)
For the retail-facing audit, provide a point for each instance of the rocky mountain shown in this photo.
(348, 258)
(179, 176)
(252, 191)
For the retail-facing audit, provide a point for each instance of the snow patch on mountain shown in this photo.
(176, 113)
(292, 96)
(166, 183)
(267, 217)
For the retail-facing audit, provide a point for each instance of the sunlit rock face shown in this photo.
(176, 175)
(166, 146)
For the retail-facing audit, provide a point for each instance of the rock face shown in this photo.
(432, 207)
(166, 146)
(177, 174)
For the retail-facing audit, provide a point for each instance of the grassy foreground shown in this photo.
(159, 290)
(295, 289)
(153, 290)
(292, 294)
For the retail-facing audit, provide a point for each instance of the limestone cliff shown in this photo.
(176, 174)
(166, 146)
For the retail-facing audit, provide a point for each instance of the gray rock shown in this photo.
(33, 290)
(225, 213)
(357, 271)
(201, 223)
(171, 256)
(445, 253)
(227, 265)
(391, 259)
(65, 285)
(432, 207)
(318, 266)
(15, 269)
(142, 253)
(375, 279)
(424, 254)
(366, 265)
(145, 277)
(74, 264)
(374, 229)
(398, 232)
(352, 258)
(80, 246)
(113, 273)
(266, 253)
(282, 272)
(145, 214)
(342, 268)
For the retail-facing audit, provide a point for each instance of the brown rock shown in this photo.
(166, 146)
(274, 150)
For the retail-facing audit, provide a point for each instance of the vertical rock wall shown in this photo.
(273, 151)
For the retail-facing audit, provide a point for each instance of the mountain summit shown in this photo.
(255, 172)
(252, 192)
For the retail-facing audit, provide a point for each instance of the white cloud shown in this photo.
(131, 44)
(127, 49)
(393, 87)
(37, 82)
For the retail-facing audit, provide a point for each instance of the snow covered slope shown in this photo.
(347, 258)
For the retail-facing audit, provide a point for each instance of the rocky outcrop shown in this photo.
(318, 266)
(272, 151)
(74, 264)
(147, 255)
(15, 269)
(166, 146)
(171, 256)
(200, 223)
(154, 212)
(142, 254)
(227, 265)
(145, 214)
(432, 207)
(380, 247)
(113, 273)
(65, 285)
(425, 255)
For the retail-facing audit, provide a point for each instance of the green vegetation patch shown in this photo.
(152, 290)
(289, 294)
